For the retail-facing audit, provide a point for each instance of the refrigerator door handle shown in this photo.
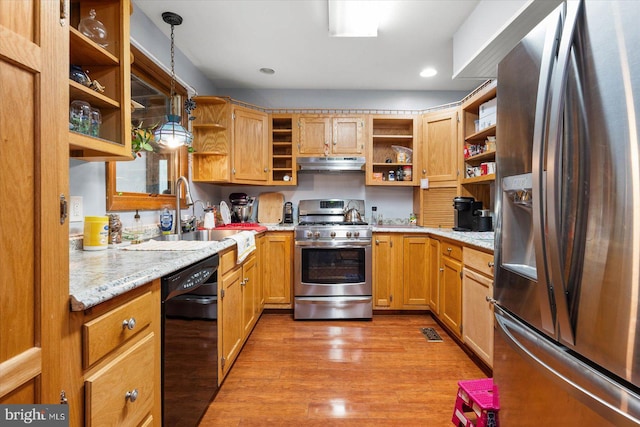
(599, 392)
(547, 311)
(554, 174)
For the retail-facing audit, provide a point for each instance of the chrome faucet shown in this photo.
(187, 196)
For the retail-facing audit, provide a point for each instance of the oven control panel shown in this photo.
(338, 233)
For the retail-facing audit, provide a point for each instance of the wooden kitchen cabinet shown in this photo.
(111, 67)
(385, 133)
(322, 135)
(434, 276)
(277, 269)
(111, 361)
(387, 260)
(34, 305)
(400, 275)
(415, 273)
(231, 143)
(439, 154)
(238, 306)
(212, 140)
(477, 311)
(450, 282)
(284, 133)
(251, 163)
(439, 164)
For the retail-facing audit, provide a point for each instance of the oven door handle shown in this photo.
(334, 245)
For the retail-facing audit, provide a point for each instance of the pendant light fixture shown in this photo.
(172, 134)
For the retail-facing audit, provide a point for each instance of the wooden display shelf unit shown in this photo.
(478, 187)
(110, 66)
(283, 164)
(388, 131)
(211, 140)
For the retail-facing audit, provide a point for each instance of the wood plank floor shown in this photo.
(342, 373)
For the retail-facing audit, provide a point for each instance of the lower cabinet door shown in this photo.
(121, 393)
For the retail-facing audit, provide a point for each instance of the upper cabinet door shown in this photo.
(34, 164)
(331, 136)
(315, 135)
(348, 135)
(440, 146)
(250, 146)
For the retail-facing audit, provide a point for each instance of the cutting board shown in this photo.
(270, 208)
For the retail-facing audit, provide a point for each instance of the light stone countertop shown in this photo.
(480, 239)
(97, 276)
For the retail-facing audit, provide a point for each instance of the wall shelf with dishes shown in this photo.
(100, 68)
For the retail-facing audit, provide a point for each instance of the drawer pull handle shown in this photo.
(129, 324)
(491, 300)
(131, 396)
(490, 264)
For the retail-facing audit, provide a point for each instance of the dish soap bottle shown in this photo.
(166, 221)
(137, 229)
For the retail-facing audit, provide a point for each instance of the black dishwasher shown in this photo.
(189, 342)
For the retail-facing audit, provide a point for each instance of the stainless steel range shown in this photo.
(332, 278)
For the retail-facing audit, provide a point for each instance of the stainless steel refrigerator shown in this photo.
(567, 283)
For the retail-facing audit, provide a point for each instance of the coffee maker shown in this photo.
(465, 211)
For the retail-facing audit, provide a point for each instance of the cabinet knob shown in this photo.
(490, 264)
(131, 396)
(449, 249)
(242, 283)
(129, 324)
(491, 300)
(266, 169)
(377, 242)
(424, 171)
(441, 270)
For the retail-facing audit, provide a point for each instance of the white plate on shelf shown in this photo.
(225, 213)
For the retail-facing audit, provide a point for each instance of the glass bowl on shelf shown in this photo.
(94, 29)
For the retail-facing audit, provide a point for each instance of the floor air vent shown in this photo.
(431, 335)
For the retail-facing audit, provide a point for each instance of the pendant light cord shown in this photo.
(173, 73)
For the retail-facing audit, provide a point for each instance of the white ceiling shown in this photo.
(230, 40)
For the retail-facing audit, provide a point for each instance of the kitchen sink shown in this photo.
(204, 235)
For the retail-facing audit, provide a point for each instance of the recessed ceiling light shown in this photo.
(268, 71)
(428, 72)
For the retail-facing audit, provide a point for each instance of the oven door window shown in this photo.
(333, 265)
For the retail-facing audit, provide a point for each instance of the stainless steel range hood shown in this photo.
(331, 164)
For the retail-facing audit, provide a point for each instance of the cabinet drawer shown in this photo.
(228, 261)
(106, 390)
(479, 261)
(451, 250)
(105, 333)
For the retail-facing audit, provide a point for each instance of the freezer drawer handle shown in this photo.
(588, 385)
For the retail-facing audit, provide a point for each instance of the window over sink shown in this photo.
(147, 182)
